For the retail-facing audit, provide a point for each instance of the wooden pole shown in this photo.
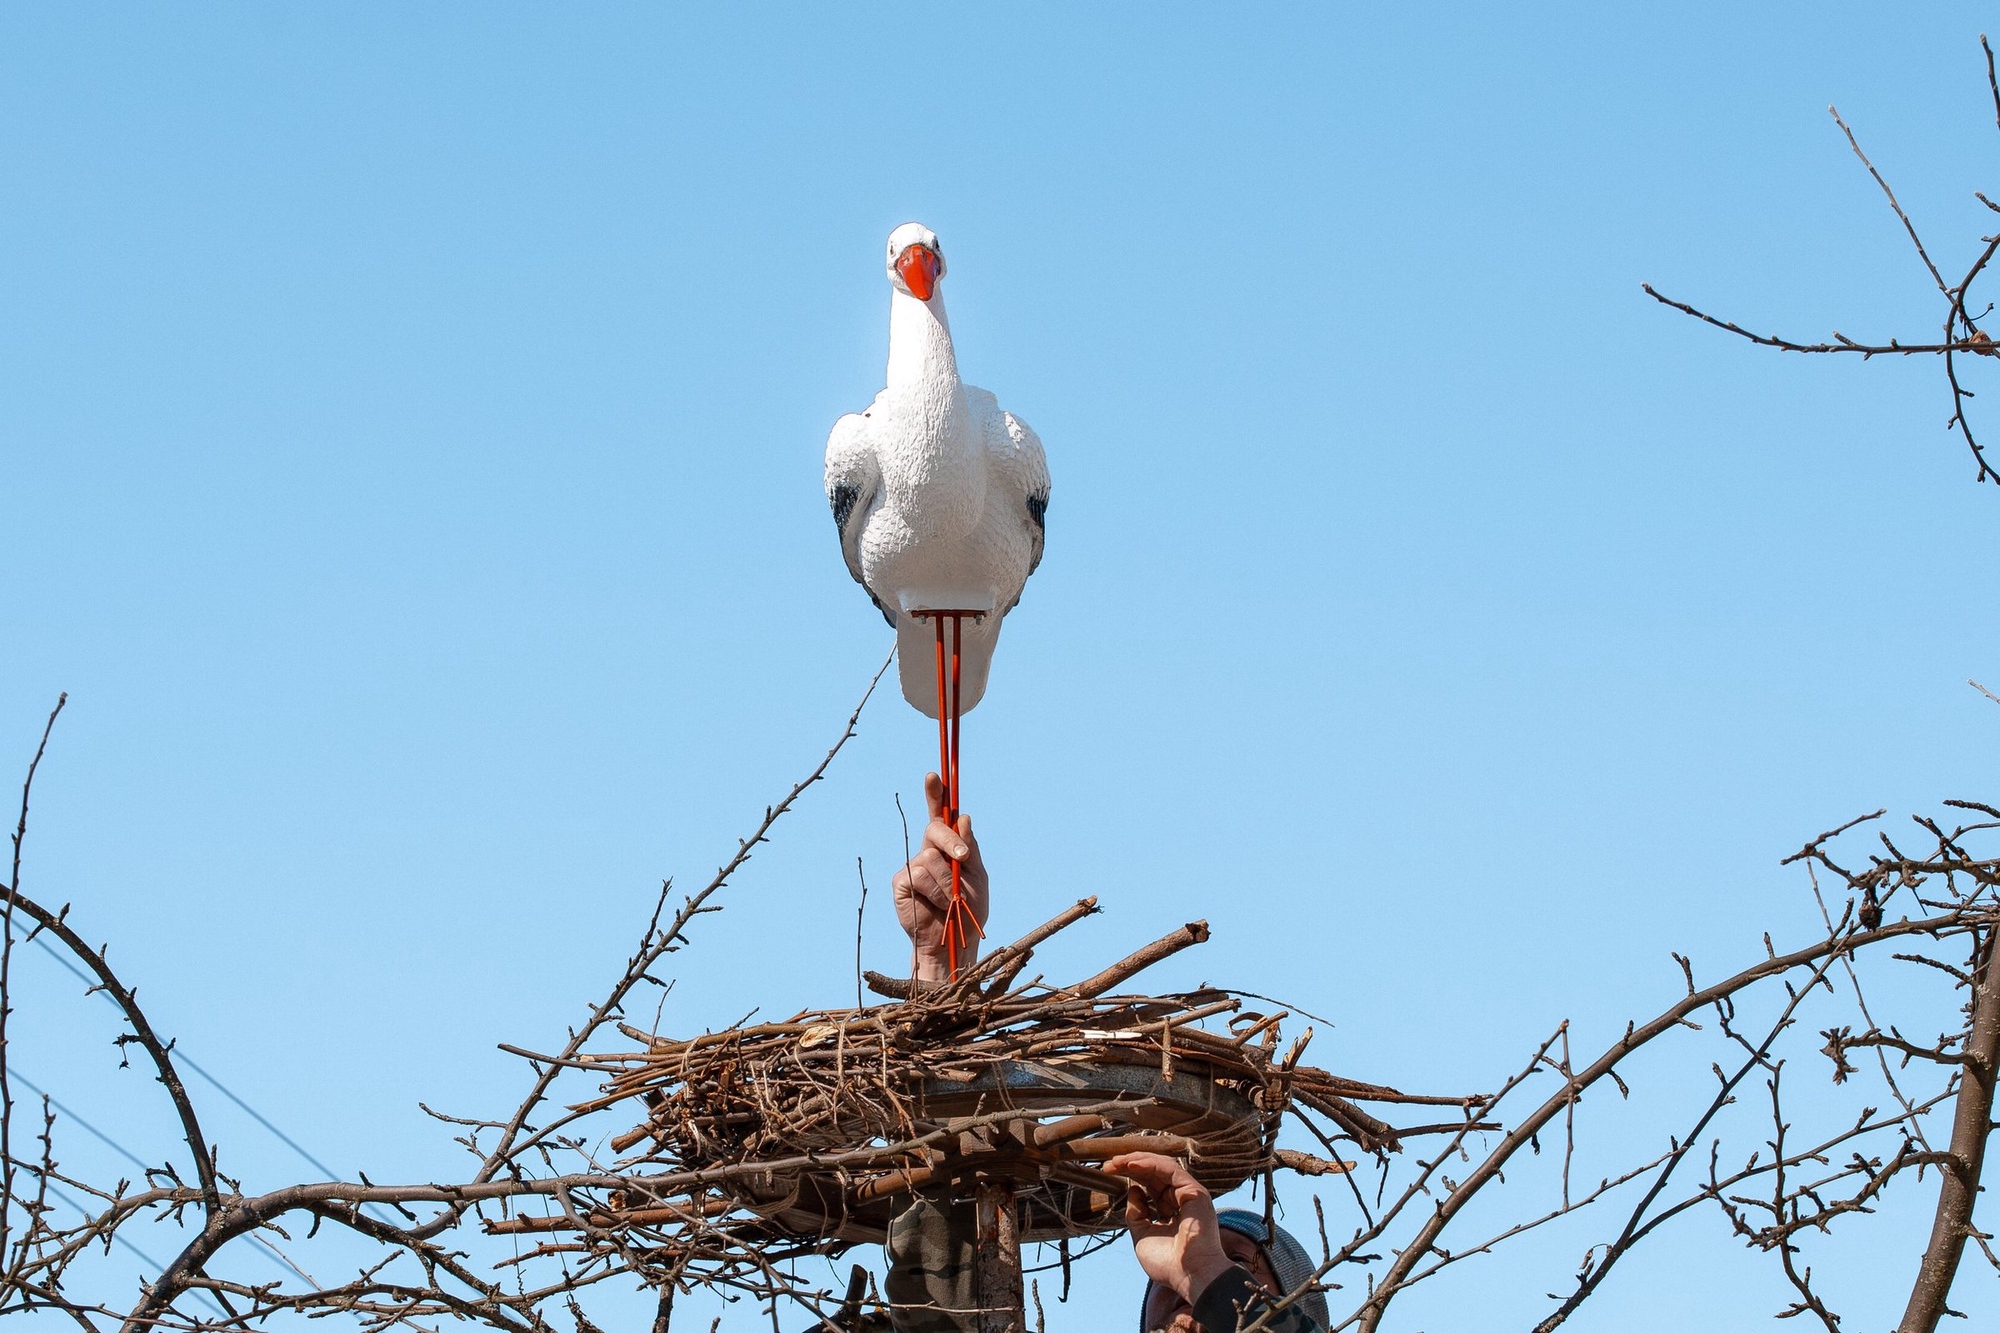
(997, 1276)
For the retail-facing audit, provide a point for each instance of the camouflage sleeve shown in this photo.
(1233, 1301)
(931, 1248)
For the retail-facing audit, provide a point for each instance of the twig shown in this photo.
(6, 992)
(1890, 195)
(1194, 932)
(860, 915)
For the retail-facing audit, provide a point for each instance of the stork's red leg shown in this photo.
(944, 779)
(944, 715)
(951, 788)
(962, 926)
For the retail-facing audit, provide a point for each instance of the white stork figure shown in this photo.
(940, 497)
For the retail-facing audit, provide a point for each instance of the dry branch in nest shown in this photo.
(819, 1128)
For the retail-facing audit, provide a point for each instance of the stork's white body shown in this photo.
(939, 494)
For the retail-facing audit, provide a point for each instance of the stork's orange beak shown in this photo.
(918, 267)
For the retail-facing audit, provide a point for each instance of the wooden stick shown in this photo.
(997, 1277)
(1194, 932)
(1063, 920)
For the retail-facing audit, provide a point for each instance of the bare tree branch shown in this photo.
(1971, 1126)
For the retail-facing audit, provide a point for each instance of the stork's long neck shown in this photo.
(946, 486)
(920, 351)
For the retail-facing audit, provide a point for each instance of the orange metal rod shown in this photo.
(960, 926)
(951, 789)
(968, 928)
(953, 931)
(944, 726)
(958, 908)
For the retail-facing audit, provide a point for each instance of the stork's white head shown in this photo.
(915, 260)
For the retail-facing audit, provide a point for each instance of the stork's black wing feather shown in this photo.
(1038, 510)
(844, 499)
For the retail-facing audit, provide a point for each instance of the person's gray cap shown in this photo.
(1289, 1261)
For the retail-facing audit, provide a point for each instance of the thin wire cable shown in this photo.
(254, 1114)
(118, 1238)
(188, 1060)
(269, 1249)
(181, 1054)
(101, 1136)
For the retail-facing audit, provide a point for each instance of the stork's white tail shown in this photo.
(916, 659)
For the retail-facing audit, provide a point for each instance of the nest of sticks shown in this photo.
(818, 1129)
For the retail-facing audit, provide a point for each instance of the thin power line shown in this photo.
(13, 1071)
(275, 1254)
(118, 1238)
(180, 1054)
(254, 1114)
(188, 1060)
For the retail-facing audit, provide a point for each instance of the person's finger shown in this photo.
(938, 834)
(931, 883)
(1167, 1180)
(920, 872)
(933, 852)
(1178, 1185)
(1138, 1212)
(1144, 1217)
(934, 794)
(1151, 1171)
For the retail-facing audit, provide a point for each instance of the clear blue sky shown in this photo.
(411, 432)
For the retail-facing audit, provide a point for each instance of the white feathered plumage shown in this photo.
(938, 492)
